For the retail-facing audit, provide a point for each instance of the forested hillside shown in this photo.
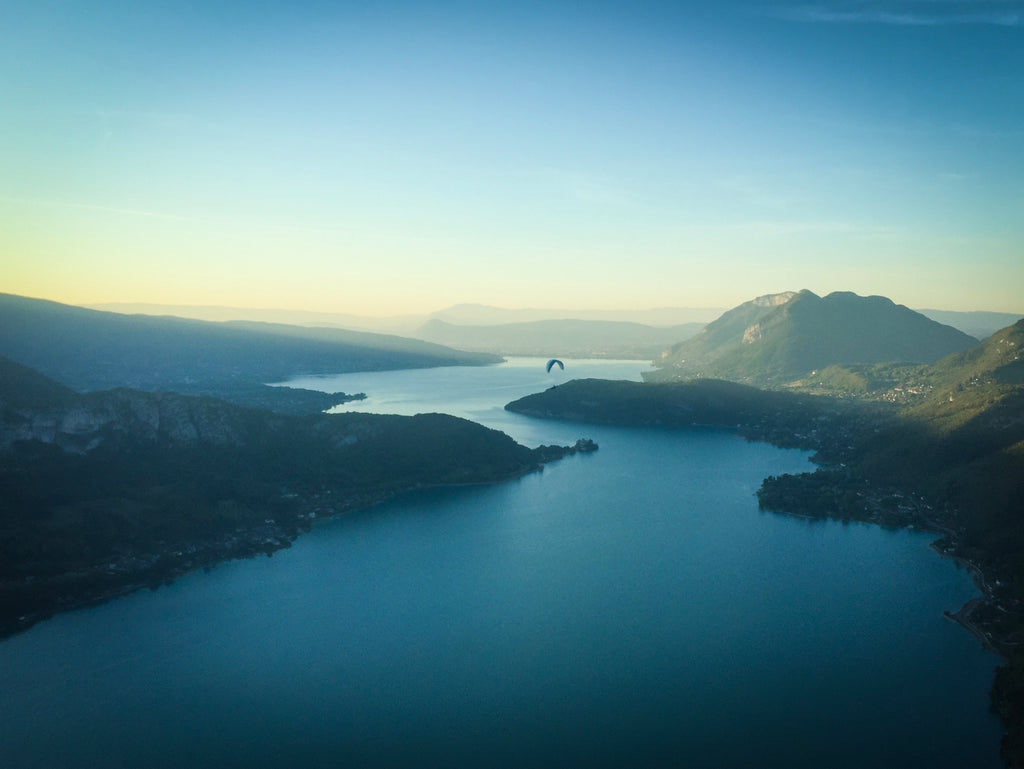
(93, 350)
(776, 339)
(109, 490)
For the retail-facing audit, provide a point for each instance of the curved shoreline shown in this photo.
(122, 575)
(962, 616)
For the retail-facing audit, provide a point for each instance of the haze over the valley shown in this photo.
(394, 160)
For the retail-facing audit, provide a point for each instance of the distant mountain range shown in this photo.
(93, 350)
(392, 324)
(640, 334)
(485, 315)
(980, 325)
(976, 324)
(406, 325)
(560, 338)
(780, 338)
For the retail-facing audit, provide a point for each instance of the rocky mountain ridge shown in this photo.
(779, 338)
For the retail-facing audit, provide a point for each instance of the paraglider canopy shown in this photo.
(552, 362)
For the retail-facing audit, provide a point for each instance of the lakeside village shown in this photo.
(128, 572)
(833, 491)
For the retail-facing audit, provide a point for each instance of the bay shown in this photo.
(627, 607)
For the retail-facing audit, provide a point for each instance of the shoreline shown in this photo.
(943, 547)
(962, 616)
(123, 575)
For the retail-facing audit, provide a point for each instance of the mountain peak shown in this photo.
(776, 300)
(779, 338)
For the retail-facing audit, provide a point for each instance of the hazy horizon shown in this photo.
(390, 160)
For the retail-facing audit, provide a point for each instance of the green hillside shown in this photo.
(777, 339)
(784, 418)
(958, 442)
(956, 377)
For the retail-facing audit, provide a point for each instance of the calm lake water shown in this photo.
(630, 607)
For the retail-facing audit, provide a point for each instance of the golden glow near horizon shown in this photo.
(355, 162)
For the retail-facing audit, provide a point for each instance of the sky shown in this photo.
(384, 158)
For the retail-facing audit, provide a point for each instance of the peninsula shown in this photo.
(105, 492)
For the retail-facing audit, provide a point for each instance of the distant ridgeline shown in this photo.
(776, 339)
(568, 338)
(105, 491)
(93, 350)
(939, 446)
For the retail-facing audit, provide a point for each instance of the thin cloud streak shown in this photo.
(773, 229)
(906, 15)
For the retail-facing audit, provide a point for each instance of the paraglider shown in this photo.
(552, 362)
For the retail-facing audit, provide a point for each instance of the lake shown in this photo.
(630, 607)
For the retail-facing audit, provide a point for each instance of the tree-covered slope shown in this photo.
(783, 418)
(103, 491)
(777, 339)
(24, 388)
(961, 441)
(93, 350)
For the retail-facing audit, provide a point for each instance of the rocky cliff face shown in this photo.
(773, 300)
(753, 334)
(93, 419)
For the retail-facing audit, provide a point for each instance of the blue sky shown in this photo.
(381, 158)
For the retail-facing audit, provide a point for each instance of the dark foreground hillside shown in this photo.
(104, 492)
